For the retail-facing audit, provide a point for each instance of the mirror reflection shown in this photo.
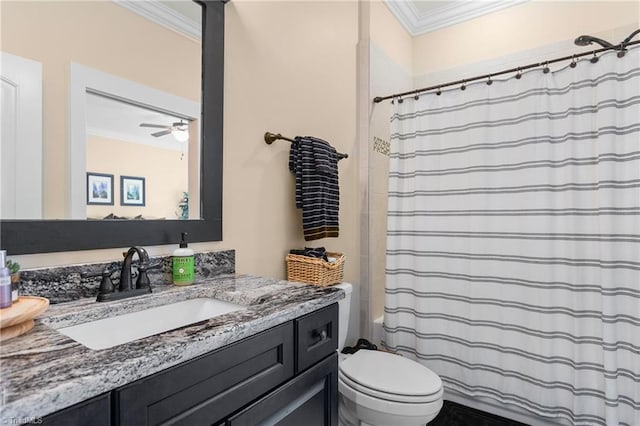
(100, 111)
(121, 138)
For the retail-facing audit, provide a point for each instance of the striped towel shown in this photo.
(314, 163)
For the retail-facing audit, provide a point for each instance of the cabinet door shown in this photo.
(310, 399)
(205, 390)
(92, 412)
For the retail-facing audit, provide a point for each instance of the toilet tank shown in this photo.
(344, 309)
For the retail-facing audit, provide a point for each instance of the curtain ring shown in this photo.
(400, 100)
(416, 97)
(546, 68)
(393, 101)
(573, 62)
(489, 81)
(464, 85)
(438, 92)
(594, 59)
(519, 74)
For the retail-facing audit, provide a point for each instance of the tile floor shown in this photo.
(453, 414)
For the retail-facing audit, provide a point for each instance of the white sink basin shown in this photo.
(113, 331)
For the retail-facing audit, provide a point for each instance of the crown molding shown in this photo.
(161, 14)
(417, 23)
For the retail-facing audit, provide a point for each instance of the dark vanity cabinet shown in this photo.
(286, 375)
(205, 390)
(310, 400)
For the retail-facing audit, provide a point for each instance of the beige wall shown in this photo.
(391, 59)
(97, 34)
(165, 177)
(390, 35)
(290, 67)
(480, 45)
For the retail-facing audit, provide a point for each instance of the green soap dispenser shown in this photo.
(183, 263)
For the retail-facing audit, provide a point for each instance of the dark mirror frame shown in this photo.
(44, 236)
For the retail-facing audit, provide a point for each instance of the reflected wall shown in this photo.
(100, 35)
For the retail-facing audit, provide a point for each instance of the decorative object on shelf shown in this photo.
(183, 205)
(132, 191)
(5, 282)
(316, 271)
(14, 270)
(99, 188)
(18, 319)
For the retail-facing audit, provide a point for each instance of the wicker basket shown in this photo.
(315, 271)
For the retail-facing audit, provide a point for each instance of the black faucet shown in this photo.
(126, 289)
(125, 275)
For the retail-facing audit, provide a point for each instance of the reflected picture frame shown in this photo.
(132, 191)
(99, 189)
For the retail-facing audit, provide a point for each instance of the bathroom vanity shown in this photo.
(274, 362)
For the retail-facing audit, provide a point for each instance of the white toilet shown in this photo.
(381, 389)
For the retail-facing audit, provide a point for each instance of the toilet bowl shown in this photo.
(382, 389)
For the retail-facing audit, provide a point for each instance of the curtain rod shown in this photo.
(270, 138)
(518, 70)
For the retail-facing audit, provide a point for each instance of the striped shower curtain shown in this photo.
(513, 247)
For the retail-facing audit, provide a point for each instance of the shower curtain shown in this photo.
(513, 245)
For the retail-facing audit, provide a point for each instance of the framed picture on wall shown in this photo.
(132, 191)
(99, 188)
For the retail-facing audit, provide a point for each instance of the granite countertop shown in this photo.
(44, 371)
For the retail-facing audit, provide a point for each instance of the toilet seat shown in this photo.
(390, 377)
(374, 393)
(370, 409)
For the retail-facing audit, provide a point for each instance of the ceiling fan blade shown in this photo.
(161, 133)
(159, 126)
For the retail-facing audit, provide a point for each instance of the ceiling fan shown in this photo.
(180, 130)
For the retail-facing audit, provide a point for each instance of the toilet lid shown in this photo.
(390, 376)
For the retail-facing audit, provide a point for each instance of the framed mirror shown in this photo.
(110, 195)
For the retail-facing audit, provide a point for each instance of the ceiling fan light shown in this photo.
(180, 135)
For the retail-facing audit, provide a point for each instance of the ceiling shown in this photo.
(422, 16)
(113, 119)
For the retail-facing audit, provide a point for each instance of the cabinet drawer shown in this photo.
(316, 336)
(203, 391)
(310, 399)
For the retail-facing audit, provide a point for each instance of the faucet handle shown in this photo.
(106, 285)
(143, 278)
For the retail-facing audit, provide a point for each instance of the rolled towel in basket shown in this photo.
(317, 252)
